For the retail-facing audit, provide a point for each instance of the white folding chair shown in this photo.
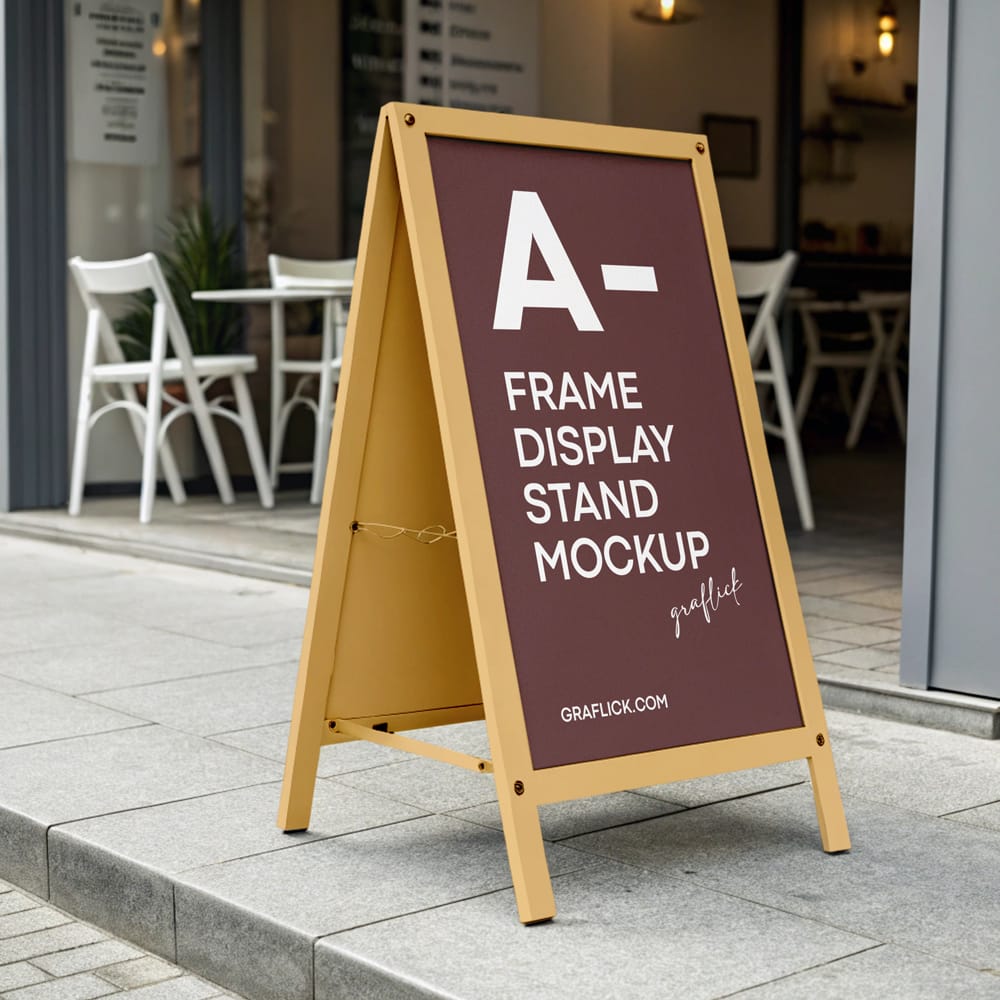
(761, 288)
(97, 279)
(327, 276)
(872, 351)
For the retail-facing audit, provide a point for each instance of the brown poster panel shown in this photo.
(636, 580)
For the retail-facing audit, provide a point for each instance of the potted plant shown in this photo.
(201, 253)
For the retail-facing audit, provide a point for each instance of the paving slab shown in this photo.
(924, 770)
(561, 820)
(177, 597)
(733, 785)
(28, 946)
(30, 714)
(19, 974)
(847, 584)
(861, 635)
(251, 628)
(888, 973)
(427, 784)
(217, 703)
(984, 816)
(863, 657)
(61, 562)
(911, 880)
(15, 902)
(84, 986)
(107, 664)
(39, 918)
(86, 958)
(64, 780)
(182, 988)
(618, 933)
(271, 743)
(844, 611)
(138, 972)
(137, 853)
(29, 630)
(252, 924)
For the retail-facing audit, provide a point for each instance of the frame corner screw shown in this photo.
(519, 787)
(408, 118)
(820, 740)
(700, 146)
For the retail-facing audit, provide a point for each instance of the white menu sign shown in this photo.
(476, 54)
(117, 80)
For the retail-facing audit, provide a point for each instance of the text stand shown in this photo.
(548, 502)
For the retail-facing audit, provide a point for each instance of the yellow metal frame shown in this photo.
(402, 264)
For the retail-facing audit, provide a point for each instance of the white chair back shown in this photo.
(116, 379)
(125, 277)
(332, 276)
(764, 284)
(294, 272)
(767, 280)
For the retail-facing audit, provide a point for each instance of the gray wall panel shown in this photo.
(35, 316)
(966, 637)
(928, 292)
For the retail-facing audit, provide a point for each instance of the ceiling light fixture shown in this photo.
(667, 11)
(888, 25)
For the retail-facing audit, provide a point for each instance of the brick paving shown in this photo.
(45, 954)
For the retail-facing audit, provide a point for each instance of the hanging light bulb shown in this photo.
(888, 25)
(667, 11)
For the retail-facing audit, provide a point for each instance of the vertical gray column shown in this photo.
(34, 447)
(222, 109)
(4, 325)
(927, 299)
(951, 625)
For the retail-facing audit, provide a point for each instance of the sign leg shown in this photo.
(526, 852)
(305, 739)
(829, 807)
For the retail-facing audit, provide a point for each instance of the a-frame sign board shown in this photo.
(546, 382)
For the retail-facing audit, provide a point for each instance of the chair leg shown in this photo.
(248, 424)
(80, 446)
(865, 396)
(170, 471)
(786, 419)
(321, 446)
(324, 411)
(806, 389)
(210, 440)
(172, 474)
(277, 428)
(84, 406)
(843, 376)
(154, 404)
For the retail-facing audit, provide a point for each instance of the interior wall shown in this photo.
(575, 54)
(881, 156)
(303, 110)
(725, 62)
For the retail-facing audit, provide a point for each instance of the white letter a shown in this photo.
(529, 222)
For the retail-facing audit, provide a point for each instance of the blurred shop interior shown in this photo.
(809, 106)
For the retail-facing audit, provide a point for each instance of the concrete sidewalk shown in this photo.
(143, 719)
